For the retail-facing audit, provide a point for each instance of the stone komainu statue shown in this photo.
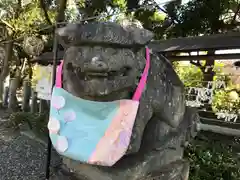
(104, 62)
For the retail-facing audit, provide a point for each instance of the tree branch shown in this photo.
(61, 9)
(9, 50)
(7, 24)
(43, 7)
(18, 9)
(173, 17)
(198, 64)
(235, 15)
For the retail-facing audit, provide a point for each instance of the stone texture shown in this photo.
(127, 34)
(103, 72)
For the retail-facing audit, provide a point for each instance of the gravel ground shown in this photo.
(22, 158)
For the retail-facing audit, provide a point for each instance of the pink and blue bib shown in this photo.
(92, 132)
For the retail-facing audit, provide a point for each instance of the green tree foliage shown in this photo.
(202, 17)
(189, 74)
(214, 158)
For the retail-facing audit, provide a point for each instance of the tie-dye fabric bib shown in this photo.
(92, 132)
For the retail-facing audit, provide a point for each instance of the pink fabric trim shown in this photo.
(116, 146)
(138, 93)
(59, 75)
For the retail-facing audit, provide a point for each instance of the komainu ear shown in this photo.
(68, 30)
(142, 36)
(67, 34)
(139, 34)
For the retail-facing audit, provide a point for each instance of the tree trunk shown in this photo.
(43, 106)
(34, 105)
(26, 95)
(5, 97)
(13, 102)
(208, 76)
(5, 68)
(61, 11)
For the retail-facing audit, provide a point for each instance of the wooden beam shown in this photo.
(200, 43)
(46, 58)
(204, 57)
(218, 129)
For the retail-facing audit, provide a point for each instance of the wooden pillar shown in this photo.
(13, 103)
(34, 106)
(5, 97)
(41, 106)
(26, 95)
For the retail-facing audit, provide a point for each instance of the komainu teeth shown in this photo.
(97, 74)
(107, 75)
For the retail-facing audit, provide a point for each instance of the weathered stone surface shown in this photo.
(178, 170)
(103, 72)
(104, 32)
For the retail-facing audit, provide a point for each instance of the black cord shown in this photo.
(49, 144)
